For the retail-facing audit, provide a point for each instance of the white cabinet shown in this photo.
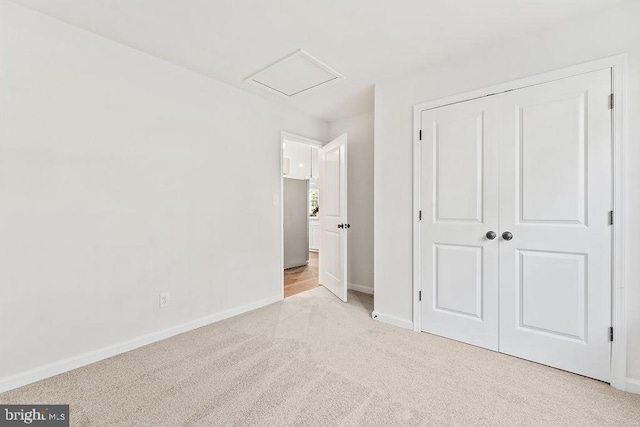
(314, 234)
(299, 160)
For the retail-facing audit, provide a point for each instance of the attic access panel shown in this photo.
(294, 74)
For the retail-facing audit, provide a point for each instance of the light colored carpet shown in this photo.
(312, 360)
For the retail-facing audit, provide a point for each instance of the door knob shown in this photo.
(491, 235)
(507, 235)
(340, 225)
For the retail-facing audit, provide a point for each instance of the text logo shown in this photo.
(35, 415)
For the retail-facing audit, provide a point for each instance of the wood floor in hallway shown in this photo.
(300, 279)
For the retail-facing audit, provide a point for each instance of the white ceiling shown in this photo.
(366, 40)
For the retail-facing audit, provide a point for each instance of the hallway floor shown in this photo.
(301, 279)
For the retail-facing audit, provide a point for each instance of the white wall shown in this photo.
(121, 177)
(584, 39)
(360, 181)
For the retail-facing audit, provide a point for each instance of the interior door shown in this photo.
(459, 204)
(333, 217)
(556, 194)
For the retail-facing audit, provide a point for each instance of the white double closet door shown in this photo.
(533, 166)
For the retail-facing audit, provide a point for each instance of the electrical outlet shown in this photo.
(164, 300)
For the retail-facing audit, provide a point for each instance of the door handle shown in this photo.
(491, 235)
(507, 235)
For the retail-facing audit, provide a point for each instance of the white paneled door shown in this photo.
(556, 194)
(533, 165)
(333, 217)
(459, 207)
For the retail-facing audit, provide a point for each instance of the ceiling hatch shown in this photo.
(294, 74)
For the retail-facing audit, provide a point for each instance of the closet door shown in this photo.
(555, 237)
(459, 203)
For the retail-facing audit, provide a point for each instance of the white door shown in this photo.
(333, 217)
(535, 166)
(556, 194)
(459, 204)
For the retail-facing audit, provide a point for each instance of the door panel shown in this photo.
(459, 200)
(555, 190)
(552, 288)
(458, 284)
(333, 213)
(551, 175)
(458, 147)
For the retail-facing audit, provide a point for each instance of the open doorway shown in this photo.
(314, 215)
(300, 211)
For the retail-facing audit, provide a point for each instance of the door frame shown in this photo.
(618, 65)
(288, 137)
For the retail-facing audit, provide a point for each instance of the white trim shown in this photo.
(633, 385)
(618, 266)
(292, 137)
(392, 320)
(588, 67)
(65, 365)
(618, 65)
(288, 137)
(282, 214)
(417, 254)
(360, 288)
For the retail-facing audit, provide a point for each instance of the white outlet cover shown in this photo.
(164, 300)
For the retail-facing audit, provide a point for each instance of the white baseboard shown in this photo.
(360, 288)
(633, 385)
(392, 320)
(55, 368)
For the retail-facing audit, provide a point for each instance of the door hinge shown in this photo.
(420, 135)
(611, 102)
(611, 333)
(610, 217)
(419, 215)
(419, 295)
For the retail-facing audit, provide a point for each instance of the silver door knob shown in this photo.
(491, 235)
(507, 235)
